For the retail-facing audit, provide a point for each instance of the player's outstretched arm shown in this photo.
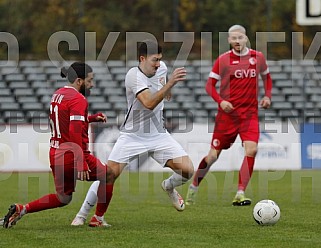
(99, 117)
(150, 100)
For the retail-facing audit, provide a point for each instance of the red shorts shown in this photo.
(228, 126)
(65, 172)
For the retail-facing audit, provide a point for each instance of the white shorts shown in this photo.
(161, 147)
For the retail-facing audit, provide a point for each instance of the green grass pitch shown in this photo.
(141, 214)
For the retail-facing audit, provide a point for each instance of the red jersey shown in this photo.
(69, 124)
(239, 76)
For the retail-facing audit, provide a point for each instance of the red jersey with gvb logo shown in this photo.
(238, 76)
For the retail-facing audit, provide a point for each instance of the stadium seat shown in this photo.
(38, 76)
(27, 99)
(282, 105)
(189, 105)
(27, 106)
(120, 92)
(23, 92)
(7, 99)
(5, 92)
(94, 99)
(171, 105)
(15, 77)
(4, 106)
(18, 84)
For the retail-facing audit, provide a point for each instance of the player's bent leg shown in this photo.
(104, 194)
(199, 175)
(183, 171)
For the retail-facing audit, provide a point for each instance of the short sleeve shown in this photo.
(135, 80)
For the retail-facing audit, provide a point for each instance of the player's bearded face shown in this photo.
(87, 85)
(84, 91)
(237, 40)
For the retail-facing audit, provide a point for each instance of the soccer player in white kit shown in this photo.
(143, 129)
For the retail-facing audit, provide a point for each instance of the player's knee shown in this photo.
(64, 199)
(211, 159)
(110, 176)
(189, 172)
(251, 152)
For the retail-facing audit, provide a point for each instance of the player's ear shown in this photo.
(141, 58)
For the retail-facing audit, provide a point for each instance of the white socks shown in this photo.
(193, 187)
(90, 200)
(175, 180)
(240, 192)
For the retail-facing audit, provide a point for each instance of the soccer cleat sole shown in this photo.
(242, 203)
(6, 222)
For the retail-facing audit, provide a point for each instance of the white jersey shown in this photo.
(140, 120)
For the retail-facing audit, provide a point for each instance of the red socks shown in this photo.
(104, 194)
(200, 173)
(43, 203)
(245, 172)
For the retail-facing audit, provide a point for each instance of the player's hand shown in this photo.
(101, 117)
(83, 175)
(265, 102)
(226, 106)
(179, 74)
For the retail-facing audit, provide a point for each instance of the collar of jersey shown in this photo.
(144, 73)
(246, 52)
(69, 87)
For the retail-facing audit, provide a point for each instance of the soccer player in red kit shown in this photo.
(238, 71)
(69, 156)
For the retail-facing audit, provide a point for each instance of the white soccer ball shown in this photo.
(266, 212)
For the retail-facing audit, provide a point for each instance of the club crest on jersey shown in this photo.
(216, 143)
(252, 61)
(162, 80)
